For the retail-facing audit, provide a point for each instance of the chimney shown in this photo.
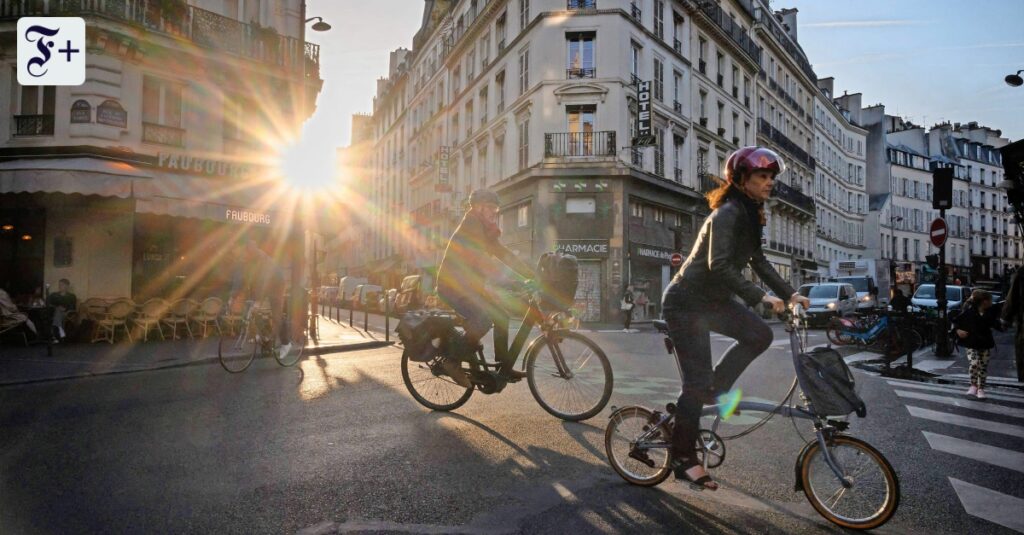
(828, 86)
(788, 17)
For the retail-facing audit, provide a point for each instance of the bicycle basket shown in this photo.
(558, 275)
(828, 383)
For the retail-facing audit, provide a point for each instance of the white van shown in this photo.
(829, 299)
(347, 286)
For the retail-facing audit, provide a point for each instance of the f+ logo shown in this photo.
(38, 37)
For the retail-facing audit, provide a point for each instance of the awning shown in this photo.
(84, 176)
(226, 200)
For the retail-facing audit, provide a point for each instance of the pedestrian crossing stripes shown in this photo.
(1006, 381)
(980, 406)
(993, 506)
(988, 504)
(967, 421)
(1003, 457)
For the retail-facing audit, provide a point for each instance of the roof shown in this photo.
(904, 148)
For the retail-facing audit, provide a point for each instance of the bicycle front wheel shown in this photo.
(836, 335)
(569, 375)
(874, 491)
(236, 352)
(638, 450)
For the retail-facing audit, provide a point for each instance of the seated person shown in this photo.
(11, 317)
(62, 301)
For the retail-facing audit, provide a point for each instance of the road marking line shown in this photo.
(863, 355)
(990, 505)
(954, 390)
(929, 365)
(1014, 460)
(966, 421)
(980, 406)
(994, 380)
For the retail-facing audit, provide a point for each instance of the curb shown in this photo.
(324, 350)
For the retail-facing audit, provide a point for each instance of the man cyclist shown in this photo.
(259, 276)
(468, 264)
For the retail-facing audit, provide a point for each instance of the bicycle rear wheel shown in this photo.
(430, 387)
(626, 439)
(872, 498)
(569, 375)
(834, 333)
(236, 352)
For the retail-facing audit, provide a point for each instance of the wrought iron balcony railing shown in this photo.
(769, 131)
(579, 144)
(734, 30)
(163, 135)
(33, 125)
(790, 195)
(581, 4)
(581, 73)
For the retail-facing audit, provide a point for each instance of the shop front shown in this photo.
(592, 256)
(650, 270)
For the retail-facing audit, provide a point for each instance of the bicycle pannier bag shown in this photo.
(416, 330)
(558, 275)
(828, 383)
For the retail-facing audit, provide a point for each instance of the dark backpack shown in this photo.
(828, 383)
(417, 328)
(558, 276)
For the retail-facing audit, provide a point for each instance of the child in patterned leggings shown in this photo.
(974, 328)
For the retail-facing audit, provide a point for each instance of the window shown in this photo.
(634, 60)
(580, 55)
(721, 116)
(677, 81)
(659, 215)
(161, 102)
(636, 210)
(720, 67)
(485, 51)
(524, 70)
(37, 114)
(483, 106)
(499, 32)
(580, 205)
(469, 116)
(523, 215)
(702, 50)
(499, 86)
(703, 105)
(524, 144)
(470, 67)
(581, 128)
(659, 19)
(524, 14)
(659, 79)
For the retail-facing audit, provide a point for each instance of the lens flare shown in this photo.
(728, 402)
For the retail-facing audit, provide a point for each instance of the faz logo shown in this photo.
(51, 51)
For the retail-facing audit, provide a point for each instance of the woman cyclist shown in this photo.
(700, 298)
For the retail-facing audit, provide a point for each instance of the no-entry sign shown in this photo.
(677, 259)
(938, 231)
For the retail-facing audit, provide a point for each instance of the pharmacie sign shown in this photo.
(583, 248)
(203, 166)
(653, 252)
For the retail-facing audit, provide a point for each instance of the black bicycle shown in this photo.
(237, 351)
(845, 479)
(569, 375)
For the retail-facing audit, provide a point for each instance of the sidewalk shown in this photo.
(1002, 370)
(21, 365)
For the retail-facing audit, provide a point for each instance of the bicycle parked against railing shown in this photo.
(846, 480)
(237, 351)
(891, 334)
(568, 374)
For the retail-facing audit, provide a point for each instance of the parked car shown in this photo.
(926, 299)
(410, 295)
(390, 295)
(829, 300)
(328, 295)
(365, 297)
(347, 287)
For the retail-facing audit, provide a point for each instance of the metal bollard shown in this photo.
(387, 319)
(366, 318)
(351, 312)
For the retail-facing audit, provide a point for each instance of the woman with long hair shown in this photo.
(974, 329)
(700, 298)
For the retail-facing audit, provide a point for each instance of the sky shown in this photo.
(926, 60)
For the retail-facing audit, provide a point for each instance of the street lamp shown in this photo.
(321, 26)
(1014, 80)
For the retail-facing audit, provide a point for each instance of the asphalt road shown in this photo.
(337, 444)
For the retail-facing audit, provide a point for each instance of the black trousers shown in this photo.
(690, 330)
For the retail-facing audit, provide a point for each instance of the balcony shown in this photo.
(634, 11)
(720, 80)
(634, 80)
(202, 27)
(637, 157)
(768, 20)
(702, 66)
(580, 73)
(769, 131)
(791, 195)
(677, 106)
(677, 45)
(163, 135)
(678, 174)
(581, 4)
(659, 163)
(713, 12)
(33, 125)
(579, 144)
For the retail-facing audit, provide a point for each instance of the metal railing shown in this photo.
(33, 125)
(581, 73)
(714, 13)
(163, 135)
(177, 18)
(634, 10)
(677, 45)
(790, 195)
(787, 144)
(767, 18)
(579, 144)
(581, 4)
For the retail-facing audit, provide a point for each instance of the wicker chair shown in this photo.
(178, 315)
(208, 314)
(117, 315)
(234, 313)
(151, 315)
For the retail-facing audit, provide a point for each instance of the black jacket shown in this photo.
(978, 326)
(729, 240)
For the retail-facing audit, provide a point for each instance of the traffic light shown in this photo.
(942, 188)
(932, 260)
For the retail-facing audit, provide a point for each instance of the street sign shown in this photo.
(677, 259)
(938, 231)
(643, 109)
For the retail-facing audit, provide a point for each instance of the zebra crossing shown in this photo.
(958, 427)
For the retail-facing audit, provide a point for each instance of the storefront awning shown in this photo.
(84, 176)
(201, 198)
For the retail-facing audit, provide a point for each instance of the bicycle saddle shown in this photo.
(661, 325)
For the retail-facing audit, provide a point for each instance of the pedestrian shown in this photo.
(1013, 313)
(899, 301)
(626, 305)
(974, 329)
(62, 301)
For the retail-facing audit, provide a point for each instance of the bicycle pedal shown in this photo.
(642, 457)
